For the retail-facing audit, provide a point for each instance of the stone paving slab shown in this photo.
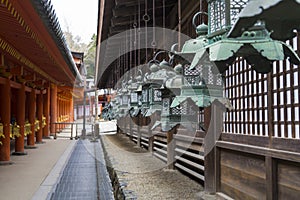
(84, 176)
(22, 179)
(53, 177)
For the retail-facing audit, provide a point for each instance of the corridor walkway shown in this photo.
(85, 175)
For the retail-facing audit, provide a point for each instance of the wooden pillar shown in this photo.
(39, 134)
(53, 108)
(150, 138)
(19, 145)
(5, 117)
(139, 134)
(32, 112)
(65, 111)
(211, 153)
(46, 131)
(72, 110)
(58, 113)
(171, 148)
(131, 124)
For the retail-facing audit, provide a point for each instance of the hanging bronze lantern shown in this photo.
(158, 75)
(251, 40)
(249, 35)
(123, 101)
(116, 106)
(180, 114)
(135, 89)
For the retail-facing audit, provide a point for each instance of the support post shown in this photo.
(19, 145)
(32, 110)
(171, 148)
(71, 138)
(72, 109)
(83, 133)
(46, 132)
(5, 117)
(130, 128)
(39, 134)
(150, 139)
(139, 134)
(271, 178)
(96, 105)
(211, 154)
(53, 109)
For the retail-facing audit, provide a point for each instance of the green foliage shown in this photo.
(89, 59)
(75, 44)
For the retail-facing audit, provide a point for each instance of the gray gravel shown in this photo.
(144, 175)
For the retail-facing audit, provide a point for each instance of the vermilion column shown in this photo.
(63, 111)
(46, 104)
(39, 134)
(19, 146)
(53, 108)
(5, 115)
(59, 113)
(32, 110)
(71, 109)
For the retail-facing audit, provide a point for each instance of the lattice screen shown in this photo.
(236, 7)
(217, 15)
(285, 91)
(249, 94)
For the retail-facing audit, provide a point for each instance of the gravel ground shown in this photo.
(145, 174)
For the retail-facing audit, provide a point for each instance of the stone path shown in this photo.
(85, 175)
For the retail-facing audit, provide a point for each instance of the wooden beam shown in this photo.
(17, 71)
(279, 154)
(133, 10)
(30, 77)
(246, 139)
(128, 2)
(119, 21)
(15, 85)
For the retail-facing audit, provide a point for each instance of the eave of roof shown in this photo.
(32, 31)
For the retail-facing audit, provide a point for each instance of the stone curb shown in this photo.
(48, 185)
(118, 184)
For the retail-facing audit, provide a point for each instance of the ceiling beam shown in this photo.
(134, 10)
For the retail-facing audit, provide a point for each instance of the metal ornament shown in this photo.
(243, 28)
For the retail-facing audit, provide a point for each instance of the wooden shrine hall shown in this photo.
(37, 75)
(255, 153)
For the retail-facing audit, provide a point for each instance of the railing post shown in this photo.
(171, 148)
(211, 153)
(130, 129)
(71, 138)
(150, 139)
(76, 137)
(55, 136)
(139, 134)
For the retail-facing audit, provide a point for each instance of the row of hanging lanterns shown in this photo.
(197, 78)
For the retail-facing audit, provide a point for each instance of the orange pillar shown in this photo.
(19, 147)
(5, 117)
(32, 110)
(59, 113)
(39, 134)
(46, 132)
(63, 111)
(53, 108)
(71, 109)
